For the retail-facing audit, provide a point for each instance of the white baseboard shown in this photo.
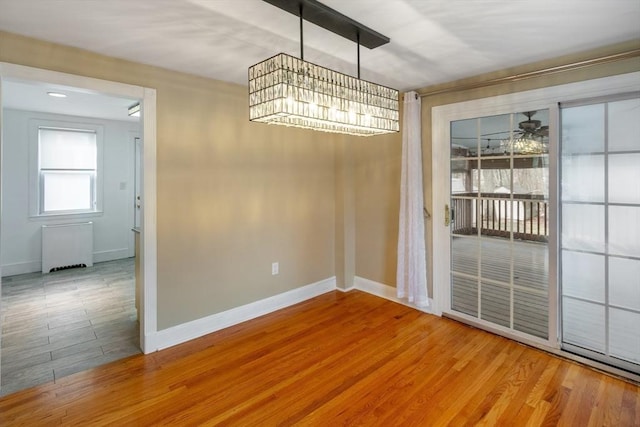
(36, 266)
(21, 268)
(206, 325)
(110, 255)
(387, 292)
(350, 288)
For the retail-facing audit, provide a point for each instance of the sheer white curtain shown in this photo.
(412, 269)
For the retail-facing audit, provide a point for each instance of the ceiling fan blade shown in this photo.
(543, 131)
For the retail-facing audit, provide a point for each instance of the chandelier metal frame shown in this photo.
(290, 91)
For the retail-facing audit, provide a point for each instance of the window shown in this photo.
(66, 173)
(68, 166)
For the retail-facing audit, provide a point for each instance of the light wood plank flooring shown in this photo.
(338, 359)
(61, 323)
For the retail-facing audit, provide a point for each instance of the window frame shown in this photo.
(36, 181)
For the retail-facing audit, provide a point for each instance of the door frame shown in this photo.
(537, 99)
(148, 252)
(135, 137)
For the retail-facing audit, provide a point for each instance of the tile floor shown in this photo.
(65, 322)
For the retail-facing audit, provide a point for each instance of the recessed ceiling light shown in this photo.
(57, 94)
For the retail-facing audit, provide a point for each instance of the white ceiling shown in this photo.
(33, 96)
(432, 41)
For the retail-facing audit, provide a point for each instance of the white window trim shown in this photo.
(35, 188)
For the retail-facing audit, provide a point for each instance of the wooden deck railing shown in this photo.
(525, 215)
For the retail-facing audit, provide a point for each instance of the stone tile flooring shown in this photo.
(65, 322)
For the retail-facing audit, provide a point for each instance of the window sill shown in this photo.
(79, 215)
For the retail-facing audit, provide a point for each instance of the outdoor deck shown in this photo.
(486, 263)
(499, 215)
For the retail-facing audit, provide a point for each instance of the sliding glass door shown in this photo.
(600, 230)
(536, 217)
(498, 214)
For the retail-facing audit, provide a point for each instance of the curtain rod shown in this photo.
(537, 73)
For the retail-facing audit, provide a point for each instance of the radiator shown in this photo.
(67, 246)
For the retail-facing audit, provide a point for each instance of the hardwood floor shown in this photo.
(347, 359)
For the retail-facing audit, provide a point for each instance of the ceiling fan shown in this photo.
(531, 127)
(531, 137)
(526, 128)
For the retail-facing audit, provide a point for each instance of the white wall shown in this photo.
(21, 235)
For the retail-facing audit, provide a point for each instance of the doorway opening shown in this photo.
(89, 315)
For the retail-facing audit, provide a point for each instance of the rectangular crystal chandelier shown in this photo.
(290, 91)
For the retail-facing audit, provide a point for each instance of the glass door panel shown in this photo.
(499, 226)
(600, 230)
(464, 191)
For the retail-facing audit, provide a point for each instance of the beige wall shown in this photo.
(378, 164)
(377, 196)
(345, 214)
(233, 196)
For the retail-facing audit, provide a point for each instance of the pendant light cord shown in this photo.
(358, 41)
(301, 34)
(302, 39)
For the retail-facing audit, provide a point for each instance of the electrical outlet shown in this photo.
(275, 267)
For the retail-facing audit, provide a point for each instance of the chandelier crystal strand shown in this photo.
(289, 91)
(523, 145)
